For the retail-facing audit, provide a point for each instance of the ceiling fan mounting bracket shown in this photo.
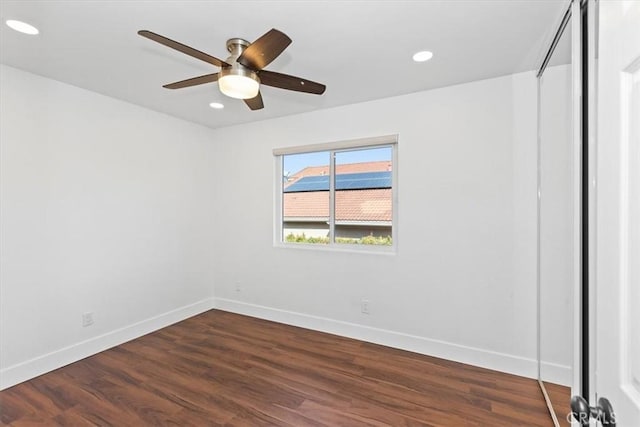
(237, 44)
(235, 47)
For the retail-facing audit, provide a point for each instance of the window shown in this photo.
(338, 194)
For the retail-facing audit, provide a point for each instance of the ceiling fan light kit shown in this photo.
(239, 84)
(238, 81)
(243, 71)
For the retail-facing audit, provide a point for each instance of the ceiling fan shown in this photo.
(243, 71)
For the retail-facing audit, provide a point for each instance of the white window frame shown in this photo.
(332, 148)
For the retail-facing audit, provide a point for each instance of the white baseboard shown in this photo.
(556, 374)
(32, 368)
(445, 350)
(473, 356)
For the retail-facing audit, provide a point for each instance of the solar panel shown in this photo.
(347, 181)
(358, 181)
(309, 183)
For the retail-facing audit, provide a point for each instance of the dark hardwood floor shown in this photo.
(560, 397)
(220, 368)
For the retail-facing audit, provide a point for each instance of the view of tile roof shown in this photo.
(361, 205)
(310, 204)
(351, 205)
(364, 205)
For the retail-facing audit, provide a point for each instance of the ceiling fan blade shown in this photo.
(255, 103)
(207, 78)
(261, 52)
(285, 81)
(183, 48)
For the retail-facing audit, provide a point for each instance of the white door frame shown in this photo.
(592, 37)
(576, 81)
(617, 281)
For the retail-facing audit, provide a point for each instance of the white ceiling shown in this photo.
(360, 50)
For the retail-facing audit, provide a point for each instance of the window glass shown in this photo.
(305, 198)
(341, 194)
(363, 196)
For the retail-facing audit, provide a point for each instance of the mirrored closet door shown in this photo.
(558, 224)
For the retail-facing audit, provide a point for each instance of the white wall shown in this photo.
(463, 282)
(106, 208)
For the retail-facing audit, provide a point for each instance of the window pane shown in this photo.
(364, 197)
(305, 198)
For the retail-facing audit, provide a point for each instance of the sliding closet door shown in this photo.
(557, 251)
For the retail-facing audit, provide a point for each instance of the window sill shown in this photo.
(341, 248)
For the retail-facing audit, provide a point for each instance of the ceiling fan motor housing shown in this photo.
(236, 46)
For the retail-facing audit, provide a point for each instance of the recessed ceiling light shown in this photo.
(422, 56)
(22, 27)
(216, 105)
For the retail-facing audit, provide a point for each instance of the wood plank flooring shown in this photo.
(560, 397)
(220, 368)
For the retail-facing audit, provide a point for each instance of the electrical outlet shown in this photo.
(87, 319)
(364, 306)
(238, 287)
